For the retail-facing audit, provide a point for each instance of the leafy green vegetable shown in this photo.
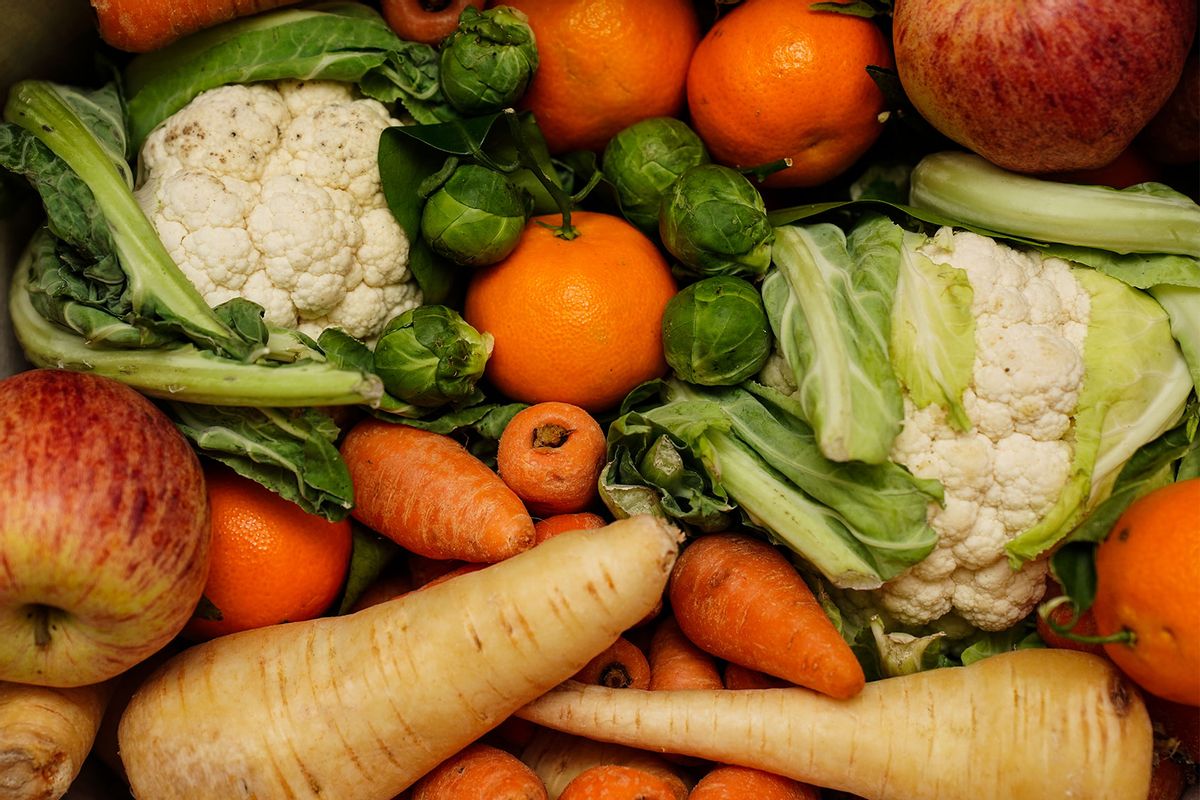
(475, 217)
(715, 331)
(642, 160)
(488, 61)
(431, 357)
(370, 555)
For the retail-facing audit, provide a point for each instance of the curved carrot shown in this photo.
(740, 599)
(727, 782)
(425, 21)
(428, 494)
(621, 666)
(619, 782)
(139, 26)
(480, 772)
(738, 677)
(676, 663)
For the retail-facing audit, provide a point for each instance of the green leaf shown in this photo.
(370, 555)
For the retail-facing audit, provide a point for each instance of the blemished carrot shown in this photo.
(619, 782)
(426, 21)
(428, 494)
(622, 665)
(362, 705)
(735, 676)
(480, 772)
(555, 524)
(729, 782)
(45, 735)
(558, 758)
(139, 26)
(676, 663)
(551, 454)
(739, 598)
(1032, 723)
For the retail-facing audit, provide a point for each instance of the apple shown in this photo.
(104, 528)
(1043, 86)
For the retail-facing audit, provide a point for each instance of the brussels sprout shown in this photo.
(715, 331)
(715, 222)
(645, 158)
(475, 217)
(430, 356)
(487, 62)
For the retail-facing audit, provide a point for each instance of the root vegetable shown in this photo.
(676, 663)
(557, 758)
(480, 772)
(139, 26)
(361, 706)
(1031, 724)
(622, 666)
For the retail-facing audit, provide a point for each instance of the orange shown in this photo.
(578, 321)
(271, 561)
(773, 79)
(1148, 583)
(605, 64)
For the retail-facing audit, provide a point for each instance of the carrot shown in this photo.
(621, 666)
(553, 525)
(676, 663)
(551, 455)
(618, 782)
(738, 677)
(740, 599)
(362, 705)
(139, 26)
(426, 21)
(1033, 723)
(558, 758)
(728, 782)
(45, 735)
(428, 494)
(480, 772)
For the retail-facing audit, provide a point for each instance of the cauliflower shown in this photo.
(1005, 471)
(271, 192)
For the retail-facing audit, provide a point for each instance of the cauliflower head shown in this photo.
(271, 192)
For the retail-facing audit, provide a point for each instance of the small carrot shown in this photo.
(736, 676)
(739, 598)
(727, 782)
(551, 455)
(428, 494)
(139, 26)
(426, 21)
(676, 663)
(480, 772)
(553, 525)
(621, 666)
(619, 782)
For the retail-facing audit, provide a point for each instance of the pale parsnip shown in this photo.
(1031, 724)
(359, 707)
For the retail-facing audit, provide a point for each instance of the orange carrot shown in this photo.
(427, 493)
(622, 666)
(738, 677)
(427, 21)
(728, 782)
(139, 26)
(553, 525)
(676, 663)
(551, 455)
(740, 599)
(480, 772)
(618, 782)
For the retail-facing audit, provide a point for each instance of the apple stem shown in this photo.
(40, 615)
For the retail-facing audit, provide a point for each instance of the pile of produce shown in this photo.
(606, 399)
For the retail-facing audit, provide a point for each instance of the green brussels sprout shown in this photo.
(475, 217)
(487, 62)
(715, 222)
(716, 332)
(430, 356)
(642, 160)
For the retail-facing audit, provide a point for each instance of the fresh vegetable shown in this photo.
(427, 21)
(475, 217)
(555, 524)
(715, 331)
(1085, 730)
(727, 782)
(137, 26)
(551, 455)
(677, 663)
(739, 598)
(621, 782)
(429, 356)
(714, 221)
(558, 758)
(735, 676)
(364, 705)
(622, 665)
(45, 735)
(427, 493)
(480, 772)
(644, 159)
(487, 62)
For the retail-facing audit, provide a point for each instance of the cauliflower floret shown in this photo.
(272, 192)
(1001, 476)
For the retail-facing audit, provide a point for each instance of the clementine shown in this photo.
(1148, 583)
(578, 321)
(605, 64)
(774, 79)
(271, 560)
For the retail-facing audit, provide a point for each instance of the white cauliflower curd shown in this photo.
(272, 192)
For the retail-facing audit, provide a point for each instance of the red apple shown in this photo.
(104, 529)
(1042, 86)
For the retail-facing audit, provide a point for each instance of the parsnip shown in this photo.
(45, 734)
(1029, 724)
(557, 758)
(361, 706)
